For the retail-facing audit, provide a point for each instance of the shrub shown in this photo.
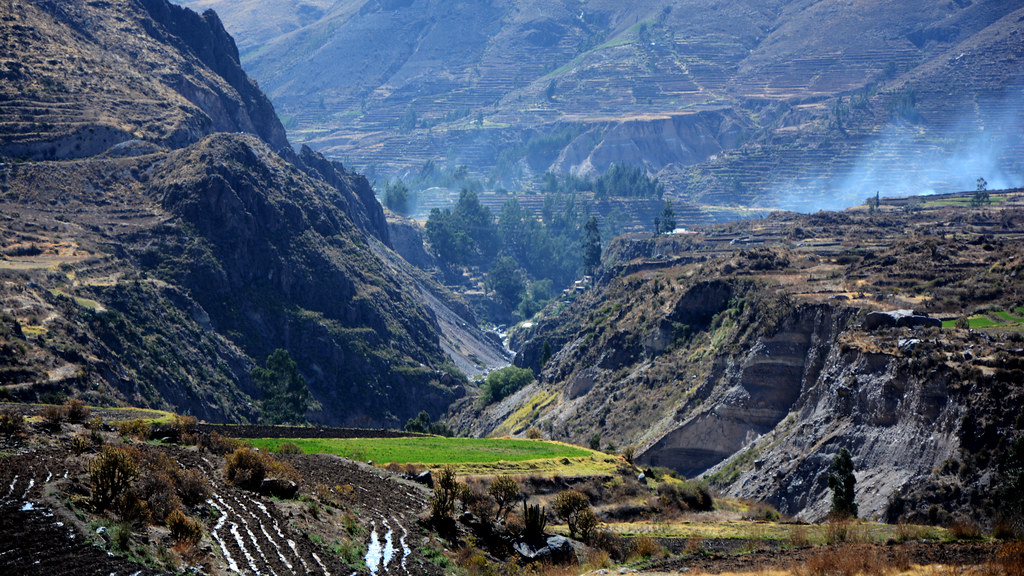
(1009, 561)
(846, 560)
(644, 547)
(965, 529)
(762, 513)
(184, 530)
(76, 411)
(185, 429)
(534, 434)
(110, 474)
(53, 417)
(569, 506)
(688, 495)
(289, 448)
(12, 421)
(95, 423)
(193, 488)
(504, 382)
(219, 444)
(131, 508)
(137, 429)
(446, 490)
(586, 523)
(157, 488)
(505, 491)
(534, 521)
(246, 468)
(79, 444)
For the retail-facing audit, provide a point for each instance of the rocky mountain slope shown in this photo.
(784, 103)
(160, 237)
(751, 353)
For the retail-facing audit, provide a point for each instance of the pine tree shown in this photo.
(591, 245)
(842, 481)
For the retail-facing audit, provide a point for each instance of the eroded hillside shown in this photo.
(160, 238)
(750, 353)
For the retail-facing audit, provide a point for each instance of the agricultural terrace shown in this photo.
(469, 456)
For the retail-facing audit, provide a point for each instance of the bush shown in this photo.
(762, 513)
(12, 421)
(216, 443)
(446, 490)
(688, 495)
(965, 529)
(110, 474)
(76, 411)
(570, 506)
(289, 448)
(131, 508)
(505, 491)
(158, 490)
(53, 417)
(504, 382)
(1009, 561)
(246, 468)
(184, 530)
(644, 547)
(138, 429)
(192, 487)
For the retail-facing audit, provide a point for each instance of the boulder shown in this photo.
(555, 550)
(279, 488)
(425, 478)
(899, 319)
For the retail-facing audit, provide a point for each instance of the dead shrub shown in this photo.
(644, 547)
(185, 428)
(185, 531)
(53, 417)
(965, 529)
(193, 487)
(76, 411)
(157, 489)
(798, 537)
(1009, 561)
(847, 560)
(837, 530)
(131, 508)
(12, 421)
(216, 443)
(246, 468)
(110, 475)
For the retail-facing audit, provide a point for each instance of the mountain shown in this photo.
(791, 103)
(748, 354)
(161, 238)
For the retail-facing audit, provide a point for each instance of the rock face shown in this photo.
(754, 394)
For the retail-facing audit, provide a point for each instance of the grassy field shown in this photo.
(983, 321)
(810, 533)
(469, 456)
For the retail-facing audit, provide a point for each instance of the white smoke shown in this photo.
(907, 159)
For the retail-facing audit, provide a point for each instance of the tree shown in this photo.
(285, 396)
(980, 193)
(665, 222)
(842, 481)
(591, 245)
(508, 280)
(572, 506)
(396, 196)
(504, 382)
(505, 491)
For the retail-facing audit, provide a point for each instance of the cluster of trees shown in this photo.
(525, 257)
(621, 180)
(402, 196)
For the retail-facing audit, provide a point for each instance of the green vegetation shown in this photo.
(285, 396)
(503, 383)
(841, 481)
(430, 451)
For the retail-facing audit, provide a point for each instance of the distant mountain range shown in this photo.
(802, 104)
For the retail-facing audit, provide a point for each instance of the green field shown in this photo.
(468, 455)
(982, 321)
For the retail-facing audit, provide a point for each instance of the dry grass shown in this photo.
(849, 560)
